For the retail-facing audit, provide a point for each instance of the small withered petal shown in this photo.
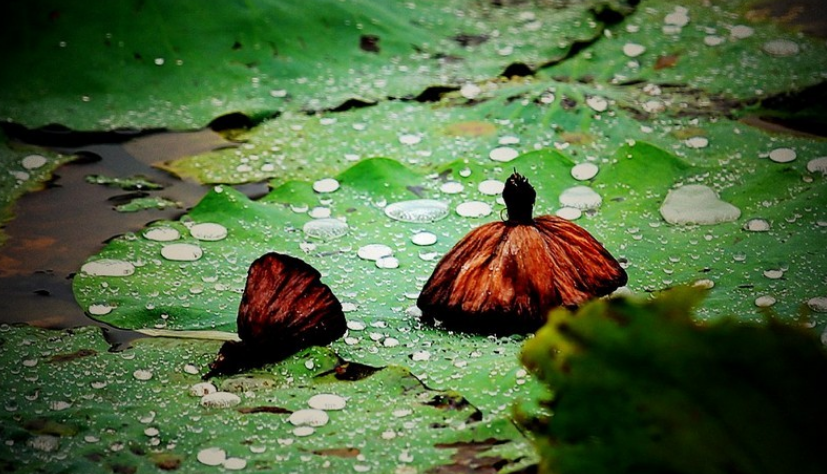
(504, 277)
(284, 309)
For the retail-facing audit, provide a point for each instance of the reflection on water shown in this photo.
(57, 229)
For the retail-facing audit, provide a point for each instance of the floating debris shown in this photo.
(327, 185)
(220, 400)
(584, 171)
(580, 197)
(209, 231)
(108, 267)
(327, 401)
(374, 252)
(503, 154)
(504, 277)
(782, 155)
(284, 308)
(182, 252)
(325, 229)
(418, 210)
(697, 204)
(162, 234)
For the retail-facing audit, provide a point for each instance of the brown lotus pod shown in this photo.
(504, 277)
(284, 309)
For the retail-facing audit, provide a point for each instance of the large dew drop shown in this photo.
(108, 267)
(374, 252)
(580, 197)
(818, 165)
(503, 154)
(309, 417)
(327, 401)
(584, 171)
(161, 234)
(32, 162)
(474, 209)
(325, 229)
(417, 210)
(491, 187)
(182, 252)
(208, 231)
(697, 204)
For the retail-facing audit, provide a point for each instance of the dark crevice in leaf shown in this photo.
(467, 458)
(58, 136)
(232, 121)
(338, 452)
(465, 40)
(517, 70)
(433, 93)
(58, 358)
(264, 409)
(350, 104)
(803, 111)
(369, 43)
(350, 371)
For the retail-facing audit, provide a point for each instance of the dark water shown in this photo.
(57, 229)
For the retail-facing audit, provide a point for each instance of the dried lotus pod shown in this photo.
(284, 309)
(504, 277)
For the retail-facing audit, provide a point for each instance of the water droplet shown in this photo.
(325, 229)
(818, 304)
(818, 165)
(597, 103)
(208, 231)
(201, 389)
(474, 209)
(580, 197)
(503, 154)
(100, 309)
(32, 162)
(387, 263)
(191, 369)
(161, 234)
(309, 417)
(417, 210)
(654, 106)
(452, 187)
(491, 187)
(234, 464)
(584, 171)
(374, 252)
(303, 431)
(152, 431)
(782, 155)
(420, 356)
(220, 400)
(45, 443)
(212, 456)
(327, 185)
(320, 212)
(633, 50)
(409, 139)
(327, 401)
(774, 273)
(108, 267)
(704, 283)
(757, 225)
(781, 48)
(470, 91)
(278, 93)
(509, 140)
(390, 342)
(764, 301)
(356, 325)
(423, 238)
(142, 374)
(465, 172)
(679, 17)
(697, 204)
(182, 252)
(697, 142)
(741, 31)
(349, 307)
(569, 213)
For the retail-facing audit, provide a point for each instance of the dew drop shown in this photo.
(409, 139)
(32, 162)
(424, 238)
(390, 342)
(503, 154)
(201, 389)
(182, 252)
(509, 140)
(417, 210)
(208, 231)
(212, 456)
(319, 212)
(782, 155)
(108, 267)
(161, 234)
(818, 165)
(327, 401)
(142, 375)
(356, 325)
(584, 171)
(818, 304)
(697, 204)
(633, 50)
(774, 273)
(569, 213)
(325, 229)
(374, 252)
(597, 103)
(327, 185)
(234, 464)
(420, 356)
(470, 91)
(580, 197)
(100, 309)
(452, 187)
(474, 209)
(781, 48)
(303, 431)
(757, 225)
(220, 400)
(309, 417)
(387, 263)
(696, 142)
(741, 31)
(491, 187)
(764, 301)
